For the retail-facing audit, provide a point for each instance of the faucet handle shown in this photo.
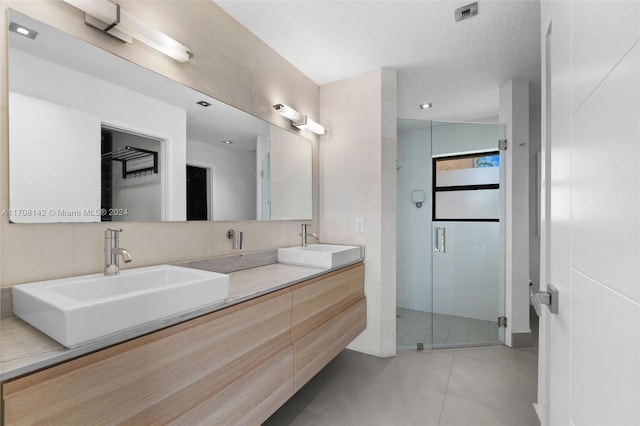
(112, 233)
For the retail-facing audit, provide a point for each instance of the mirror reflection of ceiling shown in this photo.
(212, 124)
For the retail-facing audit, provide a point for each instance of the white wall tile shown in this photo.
(335, 148)
(365, 121)
(357, 188)
(365, 157)
(365, 88)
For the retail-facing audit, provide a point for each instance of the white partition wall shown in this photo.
(62, 190)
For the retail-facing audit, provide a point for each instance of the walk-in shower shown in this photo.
(450, 257)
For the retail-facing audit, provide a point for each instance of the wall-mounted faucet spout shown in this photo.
(236, 237)
(304, 233)
(112, 251)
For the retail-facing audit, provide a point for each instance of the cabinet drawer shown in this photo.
(321, 299)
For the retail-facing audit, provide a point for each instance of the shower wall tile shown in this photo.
(414, 224)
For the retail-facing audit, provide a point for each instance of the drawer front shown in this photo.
(321, 299)
(318, 348)
(327, 314)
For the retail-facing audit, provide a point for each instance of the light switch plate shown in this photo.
(360, 225)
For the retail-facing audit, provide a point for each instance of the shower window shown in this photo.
(466, 187)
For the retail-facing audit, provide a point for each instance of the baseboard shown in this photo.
(522, 340)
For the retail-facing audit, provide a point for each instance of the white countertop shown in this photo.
(23, 349)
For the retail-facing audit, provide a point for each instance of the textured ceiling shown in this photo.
(456, 66)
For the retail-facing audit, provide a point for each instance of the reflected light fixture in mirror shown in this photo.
(22, 30)
(109, 18)
(299, 120)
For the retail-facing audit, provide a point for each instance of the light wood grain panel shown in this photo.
(314, 350)
(321, 299)
(137, 379)
(251, 399)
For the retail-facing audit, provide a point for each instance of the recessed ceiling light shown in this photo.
(228, 142)
(22, 30)
(426, 106)
(204, 103)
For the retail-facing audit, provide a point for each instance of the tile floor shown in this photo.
(415, 327)
(492, 386)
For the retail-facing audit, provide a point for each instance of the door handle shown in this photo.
(441, 239)
(549, 298)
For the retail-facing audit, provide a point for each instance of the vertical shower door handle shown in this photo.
(441, 239)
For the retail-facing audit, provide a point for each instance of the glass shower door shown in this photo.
(467, 255)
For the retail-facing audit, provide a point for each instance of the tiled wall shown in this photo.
(414, 224)
(358, 180)
(594, 342)
(230, 64)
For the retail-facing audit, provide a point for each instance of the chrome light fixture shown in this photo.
(426, 105)
(300, 120)
(109, 18)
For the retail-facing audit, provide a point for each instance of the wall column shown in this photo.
(514, 114)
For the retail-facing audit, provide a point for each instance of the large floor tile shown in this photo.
(526, 361)
(294, 417)
(461, 412)
(477, 386)
(498, 386)
(386, 401)
(426, 368)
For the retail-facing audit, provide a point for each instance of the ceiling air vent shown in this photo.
(466, 12)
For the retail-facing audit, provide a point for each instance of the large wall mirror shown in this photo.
(94, 137)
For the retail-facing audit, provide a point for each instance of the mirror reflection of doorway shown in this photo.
(131, 185)
(197, 203)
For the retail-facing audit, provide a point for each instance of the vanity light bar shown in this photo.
(300, 120)
(309, 124)
(109, 18)
(288, 112)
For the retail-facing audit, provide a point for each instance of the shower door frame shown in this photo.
(439, 239)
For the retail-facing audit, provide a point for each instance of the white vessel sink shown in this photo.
(319, 255)
(78, 310)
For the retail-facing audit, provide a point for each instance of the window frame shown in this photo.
(436, 189)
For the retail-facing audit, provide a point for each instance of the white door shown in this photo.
(589, 356)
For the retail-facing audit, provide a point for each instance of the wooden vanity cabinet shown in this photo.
(234, 366)
(327, 314)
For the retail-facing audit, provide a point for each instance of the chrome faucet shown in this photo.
(112, 251)
(304, 235)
